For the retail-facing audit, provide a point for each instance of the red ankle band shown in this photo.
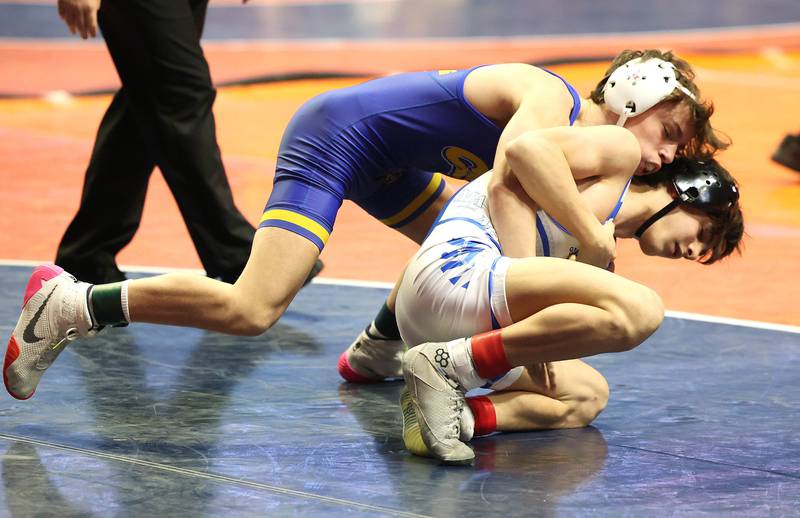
(489, 355)
(485, 417)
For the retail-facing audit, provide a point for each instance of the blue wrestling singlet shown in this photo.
(384, 144)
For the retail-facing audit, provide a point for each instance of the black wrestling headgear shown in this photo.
(698, 185)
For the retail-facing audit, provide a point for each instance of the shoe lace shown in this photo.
(457, 405)
(50, 353)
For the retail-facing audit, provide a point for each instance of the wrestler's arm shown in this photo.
(521, 98)
(545, 164)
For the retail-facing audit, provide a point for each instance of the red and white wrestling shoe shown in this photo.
(55, 312)
(371, 359)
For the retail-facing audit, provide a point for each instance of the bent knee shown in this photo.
(245, 320)
(636, 315)
(591, 406)
(647, 315)
(592, 400)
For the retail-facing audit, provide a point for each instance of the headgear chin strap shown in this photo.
(698, 185)
(636, 86)
(657, 216)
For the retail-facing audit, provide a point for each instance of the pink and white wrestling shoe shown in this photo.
(55, 311)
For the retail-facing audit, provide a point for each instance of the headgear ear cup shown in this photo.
(636, 86)
(698, 185)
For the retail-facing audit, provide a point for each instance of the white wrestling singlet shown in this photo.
(454, 285)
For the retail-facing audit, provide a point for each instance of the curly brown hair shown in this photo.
(707, 141)
(727, 227)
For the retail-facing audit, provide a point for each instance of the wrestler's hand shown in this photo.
(602, 249)
(80, 16)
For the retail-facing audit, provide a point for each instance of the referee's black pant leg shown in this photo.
(155, 45)
(190, 156)
(112, 200)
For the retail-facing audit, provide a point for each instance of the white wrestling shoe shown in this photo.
(437, 400)
(371, 359)
(412, 437)
(54, 312)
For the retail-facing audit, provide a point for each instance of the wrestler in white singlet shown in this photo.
(454, 285)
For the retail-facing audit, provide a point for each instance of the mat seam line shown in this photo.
(708, 461)
(211, 476)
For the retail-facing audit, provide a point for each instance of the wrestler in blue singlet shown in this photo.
(384, 144)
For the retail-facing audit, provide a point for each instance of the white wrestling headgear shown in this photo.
(636, 86)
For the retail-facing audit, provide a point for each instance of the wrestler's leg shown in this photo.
(568, 394)
(533, 403)
(278, 265)
(554, 310)
(284, 250)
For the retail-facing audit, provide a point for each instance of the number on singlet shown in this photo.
(464, 165)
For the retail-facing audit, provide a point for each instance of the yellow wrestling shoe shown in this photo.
(412, 437)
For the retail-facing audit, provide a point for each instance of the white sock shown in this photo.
(460, 354)
(125, 310)
(467, 422)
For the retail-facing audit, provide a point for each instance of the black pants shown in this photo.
(160, 117)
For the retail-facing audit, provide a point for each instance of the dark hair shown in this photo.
(706, 141)
(727, 227)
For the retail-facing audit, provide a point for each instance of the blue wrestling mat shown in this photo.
(159, 421)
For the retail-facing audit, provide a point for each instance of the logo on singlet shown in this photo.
(459, 261)
(391, 177)
(464, 164)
